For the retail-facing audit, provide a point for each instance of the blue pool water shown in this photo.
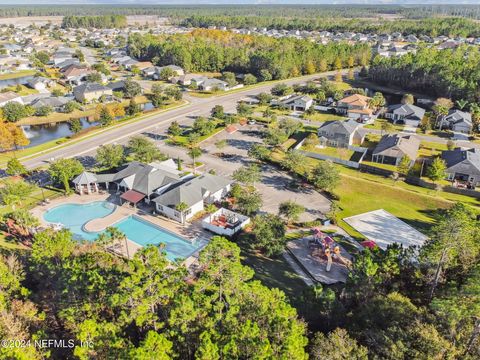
(145, 233)
(75, 216)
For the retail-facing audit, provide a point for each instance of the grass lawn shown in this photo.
(430, 148)
(378, 125)
(371, 140)
(362, 192)
(322, 117)
(340, 85)
(340, 153)
(360, 195)
(56, 117)
(22, 90)
(274, 272)
(17, 74)
(380, 165)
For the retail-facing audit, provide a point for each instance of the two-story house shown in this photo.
(340, 133)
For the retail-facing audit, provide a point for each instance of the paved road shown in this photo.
(158, 123)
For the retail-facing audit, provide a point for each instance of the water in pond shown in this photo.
(147, 106)
(16, 81)
(39, 134)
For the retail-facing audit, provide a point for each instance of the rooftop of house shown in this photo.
(398, 146)
(407, 110)
(355, 100)
(192, 191)
(465, 161)
(340, 126)
(7, 96)
(458, 115)
(89, 87)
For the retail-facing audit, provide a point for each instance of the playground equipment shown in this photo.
(329, 249)
(369, 244)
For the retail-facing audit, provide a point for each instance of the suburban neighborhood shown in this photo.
(201, 182)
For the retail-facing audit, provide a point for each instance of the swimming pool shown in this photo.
(75, 216)
(142, 232)
(145, 233)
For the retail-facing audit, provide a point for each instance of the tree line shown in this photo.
(267, 58)
(101, 22)
(283, 10)
(450, 73)
(453, 26)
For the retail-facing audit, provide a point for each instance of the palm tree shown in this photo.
(24, 220)
(194, 153)
(110, 236)
(181, 208)
(118, 236)
(461, 104)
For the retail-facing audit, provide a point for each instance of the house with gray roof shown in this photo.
(204, 189)
(90, 91)
(405, 113)
(54, 102)
(392, 148)
(140, 178)
(339, 133)
(457, 120)
(463, 165)
(40, 83)
(294, 102)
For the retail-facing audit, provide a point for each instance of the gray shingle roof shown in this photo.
(397, 146)
(455, 116)
(85, 178)
(340, 127)
(408, 111)
(462, 161)
(192, 191)
(146, 179)
(89, 87)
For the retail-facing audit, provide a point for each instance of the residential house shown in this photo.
(64, 64)
(194, 193)
(356, 107)
(76, 74)
(294, 102)
(9, 96)
(457, 120)
(207, 84)
(340, 133)
(184, 80)
(463, 165)
(405, 114)
(91, 91)
(154, 72)
(56, 103)
(40, 83)
(392, 148)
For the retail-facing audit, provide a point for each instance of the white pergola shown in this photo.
(86, 183)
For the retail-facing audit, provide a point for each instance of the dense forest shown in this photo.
(432, 20)
(268, 58)
(284, 10)
(99, 22)
(430, 26)
(446, 73)
(396, 304)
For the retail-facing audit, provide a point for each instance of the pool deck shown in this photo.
(189, 231)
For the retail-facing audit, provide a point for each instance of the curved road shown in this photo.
(159, 122)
